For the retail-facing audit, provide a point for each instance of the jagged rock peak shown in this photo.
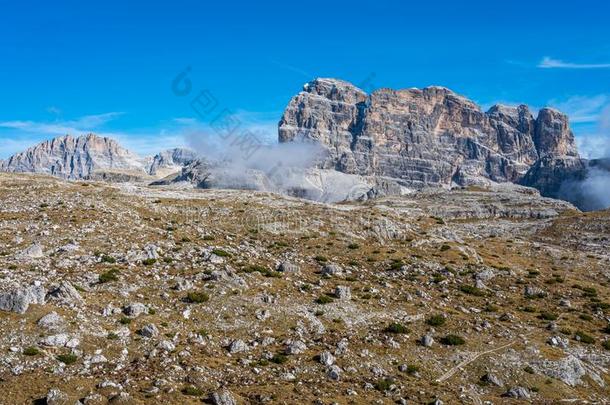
(423, 137)
(74, 157)
(171, 160)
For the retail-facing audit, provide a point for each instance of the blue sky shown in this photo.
(74, 66)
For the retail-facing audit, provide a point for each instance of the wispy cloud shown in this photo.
(596, 144)
(550, 63)
(582, 109)
(55, 128)
(18, 135)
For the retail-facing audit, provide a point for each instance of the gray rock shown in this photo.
(238, 346)
(517, 392)
(59, 340)
(56, 397)
(331, 269)
(327, 358)
(149, 331)
(334, 372)
(65, 293)
(20, 299)
(427, 341)
(166, 345)
(343, 293)
(52, 321)
(296, 347)
(183, 284)
(534, 292)
(98, 359)
(570, 370)
(492, 379)
(223, 397)
(136, 309)
(287, 267)
(121, 398)
(558, 341)
(34, 251)
(485, 275)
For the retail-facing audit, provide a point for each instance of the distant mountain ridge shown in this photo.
(86, 156)
(382, 143)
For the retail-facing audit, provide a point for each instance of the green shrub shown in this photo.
(321, 259)
(353, 246)
(412, 369)
(436, 320)
(445, 248)
(396, 264)
(149, 262)
(324, 299)
(584, 338)
(384, 384)
(261, 269)
(221, 253)
(254, 268)
(197, 297)
(603, 306)
(112, 336)
(108, 259)
(453, 340)
(31, 351)
(606, 344)
(586, 317)
(110, 275)
(67, 358)
(279, 358)
(471, 290)
(548, 316)
(125, 320)
(396, 327)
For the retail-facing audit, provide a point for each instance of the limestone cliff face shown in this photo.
(170, 161)
(74, 157)
(428, 137)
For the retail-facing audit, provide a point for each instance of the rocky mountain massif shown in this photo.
(385, 143)
(124, 293)
(432, 137)
(91, 156)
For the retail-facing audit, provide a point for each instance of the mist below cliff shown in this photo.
(593, 191)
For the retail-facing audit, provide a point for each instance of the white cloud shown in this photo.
(56, 128)
(16, 136)
(550, 63)
(597, 144)
(582, 109)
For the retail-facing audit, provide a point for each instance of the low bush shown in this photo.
(453, 340)
(197, 297)
(396, 327)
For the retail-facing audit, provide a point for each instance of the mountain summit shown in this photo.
(427, 137)
(74, 157)
(93, 156)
